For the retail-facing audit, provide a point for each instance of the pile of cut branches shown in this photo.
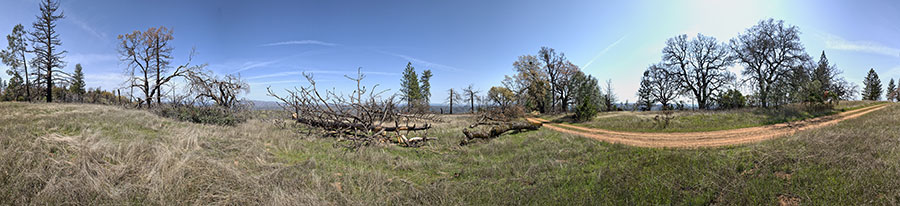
(361, 117)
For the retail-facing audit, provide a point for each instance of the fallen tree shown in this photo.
(362, 116)
(496, 128)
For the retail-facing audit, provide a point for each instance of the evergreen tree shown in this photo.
(872, 90)
(891, 90)
(824, 73)
(77, 87)
(588, 97)
(426, 86)
(409, 86)
(13, 89)
(645, 93)
(14, 55)
(46, 43)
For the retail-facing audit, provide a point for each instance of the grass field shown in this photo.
(701, 121)
(53, 154)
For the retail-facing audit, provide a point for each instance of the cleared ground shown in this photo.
(706, 139)
(57, 154)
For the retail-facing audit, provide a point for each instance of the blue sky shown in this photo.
(463, 42)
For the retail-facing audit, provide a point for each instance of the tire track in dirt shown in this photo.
(706, 139)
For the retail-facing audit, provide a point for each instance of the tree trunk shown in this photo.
(27, 82)
(498, 130)
(451, 101)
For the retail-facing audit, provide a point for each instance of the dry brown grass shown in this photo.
(135, 157)
(55, 154)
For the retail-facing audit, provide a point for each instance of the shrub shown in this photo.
(731, 99)
(203, 114)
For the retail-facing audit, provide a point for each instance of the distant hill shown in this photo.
(265, 105)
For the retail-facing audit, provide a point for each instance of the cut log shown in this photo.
(498, 130)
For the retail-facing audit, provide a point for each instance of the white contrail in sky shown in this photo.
(300, 42)
(603, 52)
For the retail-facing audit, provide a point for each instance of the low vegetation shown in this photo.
(67, 154)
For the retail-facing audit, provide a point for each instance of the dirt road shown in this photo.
(706, 139)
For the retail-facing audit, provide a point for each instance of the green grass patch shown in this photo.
(850, 163)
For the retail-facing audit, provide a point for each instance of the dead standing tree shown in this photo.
(362, 116)
(205, 86)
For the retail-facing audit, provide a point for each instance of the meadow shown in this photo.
(53, 154)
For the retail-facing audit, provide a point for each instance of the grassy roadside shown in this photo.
(98, 154)
(702, 121)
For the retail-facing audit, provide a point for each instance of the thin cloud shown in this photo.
(280, 74)
(836, 42)
(275, 82)
(422, 62)
(314, 72)
(254, 64)
(603, 52)
(300, 42)
(82, 58)
(88, 28)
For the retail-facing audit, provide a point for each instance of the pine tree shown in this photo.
(645, 93)
(409, 87)
(587, 99)
(872, 90)
(426, 86)
(824, 73)
(77, 87)
(891, 90)
(48, 57)
(14, 55)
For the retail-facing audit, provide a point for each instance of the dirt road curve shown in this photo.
(706, 139)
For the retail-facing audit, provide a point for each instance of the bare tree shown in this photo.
(471, 94)
(46, 43)
(768, 51)
(699, 65)
(664, 85)
(454, 97)
(559, 72)
(564, 84)
(609, 97)
(148, 56)
(222, 91)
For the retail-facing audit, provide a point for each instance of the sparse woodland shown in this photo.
(372, 145)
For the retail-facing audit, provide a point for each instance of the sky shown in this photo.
(270, 43)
